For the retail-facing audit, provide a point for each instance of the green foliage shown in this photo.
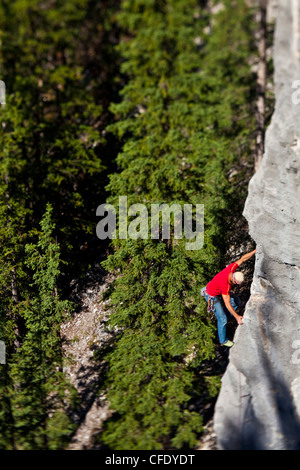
(56, 108)
(52, 150)
(184, 120)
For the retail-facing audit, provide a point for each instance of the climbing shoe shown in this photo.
(228, 344)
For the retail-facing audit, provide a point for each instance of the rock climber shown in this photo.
(219, 287)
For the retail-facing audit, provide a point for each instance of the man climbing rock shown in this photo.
(220, 287)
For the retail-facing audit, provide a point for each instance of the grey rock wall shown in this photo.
(259, 403)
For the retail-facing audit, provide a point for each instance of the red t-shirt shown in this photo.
(220, 284)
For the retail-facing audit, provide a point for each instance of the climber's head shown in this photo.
(238, 277)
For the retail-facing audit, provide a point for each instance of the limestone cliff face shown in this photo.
(259, 403)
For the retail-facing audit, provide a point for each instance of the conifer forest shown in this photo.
(154, 101)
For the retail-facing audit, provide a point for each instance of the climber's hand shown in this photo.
(239, 319)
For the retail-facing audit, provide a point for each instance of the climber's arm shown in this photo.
(245, 257)
(229, 307)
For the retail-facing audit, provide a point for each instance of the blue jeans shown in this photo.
(223, 314)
